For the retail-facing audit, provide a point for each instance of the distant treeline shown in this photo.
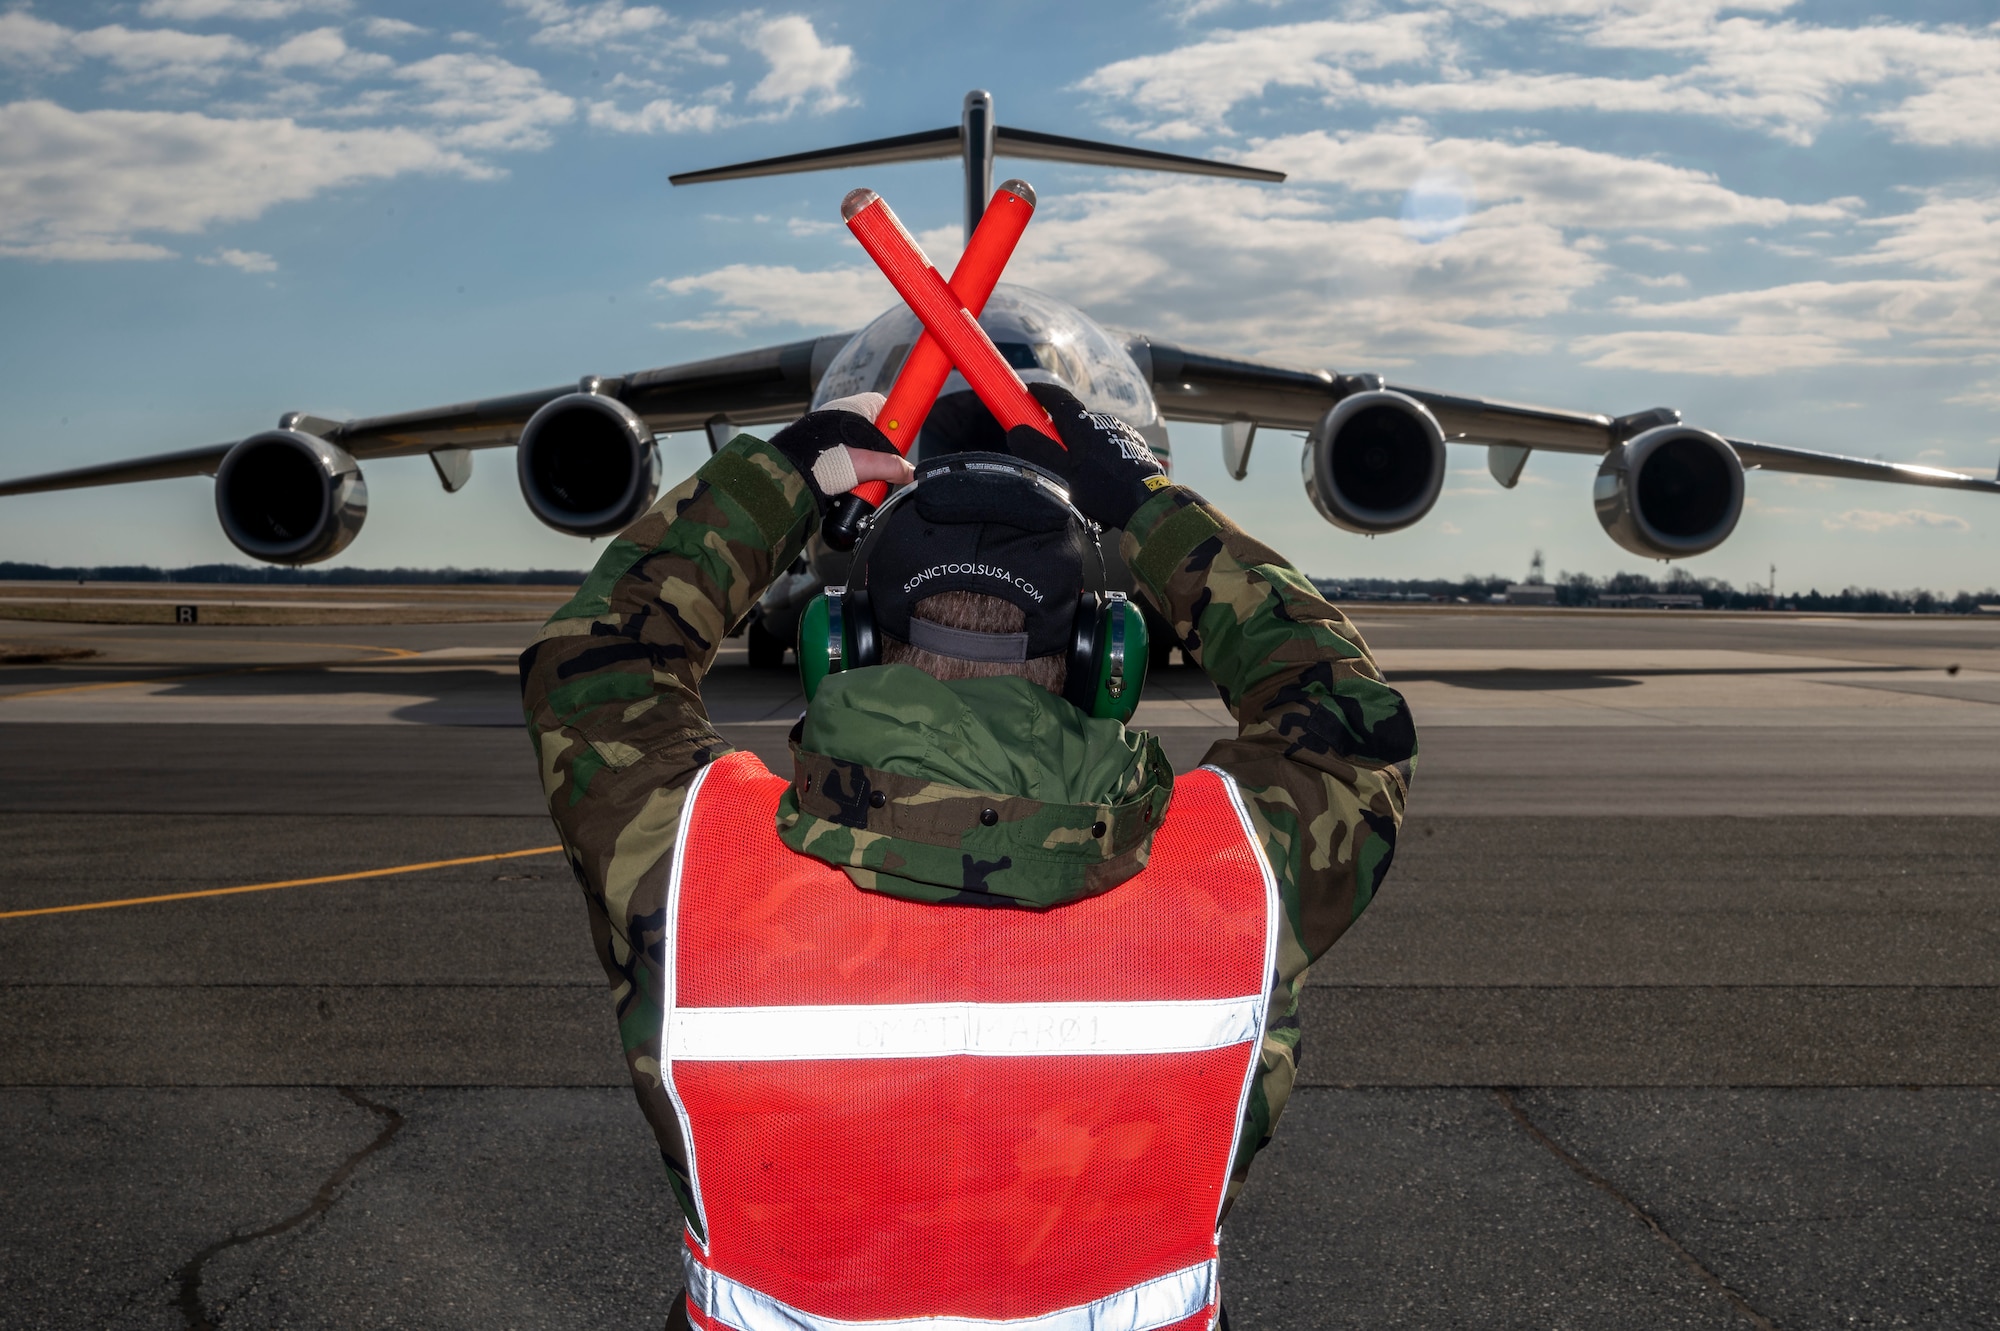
(1578, 589)
(303, 577)
(1581, 589)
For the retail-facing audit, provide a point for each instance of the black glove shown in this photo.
(807, 441)
(1104, 461)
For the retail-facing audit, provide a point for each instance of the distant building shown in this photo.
(1535, 591)
(1530, 593)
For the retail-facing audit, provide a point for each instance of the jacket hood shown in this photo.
(983, 791)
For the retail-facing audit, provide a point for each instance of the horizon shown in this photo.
(1329, 584)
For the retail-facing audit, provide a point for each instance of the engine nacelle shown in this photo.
(1670, 492)
(287, 497)
(1375, 462)
(587, 464)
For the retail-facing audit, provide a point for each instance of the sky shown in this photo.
(1782, 218)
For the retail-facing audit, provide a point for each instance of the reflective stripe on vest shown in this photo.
(1166, 1301)
(951, 1116)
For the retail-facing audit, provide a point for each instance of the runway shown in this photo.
(1678, 1009)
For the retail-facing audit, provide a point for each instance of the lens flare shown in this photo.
(1437, 206)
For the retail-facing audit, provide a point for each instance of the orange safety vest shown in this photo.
(957, 1117)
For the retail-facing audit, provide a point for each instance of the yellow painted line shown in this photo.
(119, 684)
(390, 653)
(271, 887)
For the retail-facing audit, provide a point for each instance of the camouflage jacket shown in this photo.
(611, 690)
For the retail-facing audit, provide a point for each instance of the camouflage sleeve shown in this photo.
(1323, 751)
(611, 692)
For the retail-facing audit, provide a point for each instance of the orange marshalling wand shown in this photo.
(952, 335)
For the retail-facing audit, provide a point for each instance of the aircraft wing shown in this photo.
(1245, 394)
(744, 388)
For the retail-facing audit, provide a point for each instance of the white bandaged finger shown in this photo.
(833, 470)
(865, 405)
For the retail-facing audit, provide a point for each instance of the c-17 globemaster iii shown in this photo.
(1373, 462)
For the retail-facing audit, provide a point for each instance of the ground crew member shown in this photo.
(982, 1013)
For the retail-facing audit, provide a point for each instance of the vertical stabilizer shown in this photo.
(975, 132)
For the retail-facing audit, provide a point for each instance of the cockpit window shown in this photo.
(1038, 335)
(1020, 355)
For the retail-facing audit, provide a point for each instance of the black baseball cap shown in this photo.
(987, 523)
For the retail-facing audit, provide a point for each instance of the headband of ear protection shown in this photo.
(1107, 652)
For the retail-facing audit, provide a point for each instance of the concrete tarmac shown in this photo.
(1677, 1010)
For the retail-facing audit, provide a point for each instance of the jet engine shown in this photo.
(287, 497)
(1670, 492)
(1375, 462)
(587, 464)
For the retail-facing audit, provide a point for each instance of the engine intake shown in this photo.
(587, 464)
(1670, 492)
(1375, 462)
(287, 497)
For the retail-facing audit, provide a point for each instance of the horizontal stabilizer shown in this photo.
(936, 143)
(1057, 148)
(901, 148)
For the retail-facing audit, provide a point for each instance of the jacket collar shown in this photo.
(988, 791)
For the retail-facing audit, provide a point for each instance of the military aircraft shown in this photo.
(1373, 462)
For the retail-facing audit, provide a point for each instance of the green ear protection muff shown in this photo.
(1108, 651)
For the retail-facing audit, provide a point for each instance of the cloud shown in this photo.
(1983, 394)
(1505, 91)
(664, 115)
(1792, 74)
(195, 11)
(85, 249)
(1281, 274)
(1957, 234)
(1187, 11)
(1784, 77)
(1736, 355)
(1963, 109)
(81, 184)
(748, 296)
(1548, 182)
(803, 72)
(489, 103)
(1192, 88)
(89, 184)
(160, 50)
(390, 29)
(608, 23)
(156, 53)
(324, 49)
(27, 40)
(1943, 309)
(249, 261)
(1875, 520)
(802, 66)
